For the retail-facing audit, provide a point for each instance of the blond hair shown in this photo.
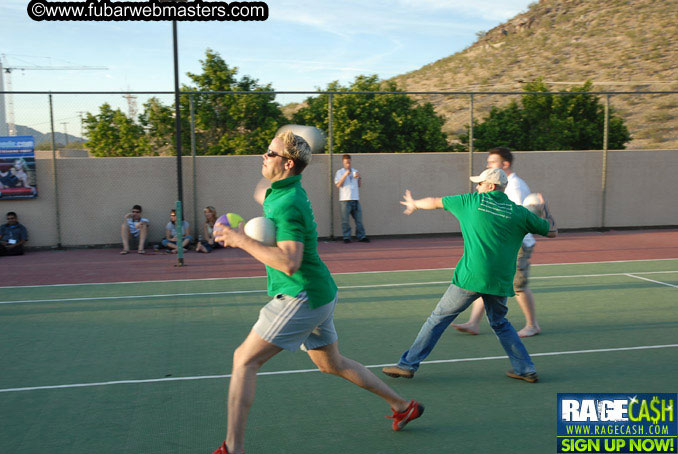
(213, 212)
(297, 149)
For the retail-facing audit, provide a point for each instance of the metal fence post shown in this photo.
(470, 146)
(606, 127)
(193, 153)
(55, 178)
(177, 123)
(330, 167)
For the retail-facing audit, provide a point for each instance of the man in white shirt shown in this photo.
(516, 190)
(347, 180)
(134, 228)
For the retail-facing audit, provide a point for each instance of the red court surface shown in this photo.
(77, 266)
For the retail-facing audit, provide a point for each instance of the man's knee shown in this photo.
(520, 281)
(242, 359)
(328, 361)
(499, 324)
(328, 365)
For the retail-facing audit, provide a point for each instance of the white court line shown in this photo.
(603, 274)
(346, 287)
(302, 371)
(158, 295)
(651, 280)
(333, 274)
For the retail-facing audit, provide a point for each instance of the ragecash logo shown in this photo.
(623, 423)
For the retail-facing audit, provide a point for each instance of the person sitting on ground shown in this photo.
(13, 236)
(134, 229)
(207, 243)
(170, 240)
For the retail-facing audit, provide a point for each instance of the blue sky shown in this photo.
(304, 45)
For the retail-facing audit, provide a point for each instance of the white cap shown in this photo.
(495, 176)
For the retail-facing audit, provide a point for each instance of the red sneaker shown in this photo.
(222, 449)
(400, 420)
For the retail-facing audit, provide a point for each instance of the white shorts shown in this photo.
(290, 323)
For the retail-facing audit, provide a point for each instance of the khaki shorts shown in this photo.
(290, 323)
(522, 268)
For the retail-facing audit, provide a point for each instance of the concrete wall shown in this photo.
(642, 188)
(94, 193)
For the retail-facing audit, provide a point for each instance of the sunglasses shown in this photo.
(273, 154)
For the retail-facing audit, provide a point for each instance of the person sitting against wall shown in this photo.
(13, 236)
(170, 240)
(134, 230)
(207, 243)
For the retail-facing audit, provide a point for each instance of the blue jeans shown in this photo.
(453, 302)
(352, 208)
(165, 241)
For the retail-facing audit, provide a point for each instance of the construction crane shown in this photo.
(7, 70)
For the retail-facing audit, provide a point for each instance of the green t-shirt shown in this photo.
(493, 228)
(287, 205)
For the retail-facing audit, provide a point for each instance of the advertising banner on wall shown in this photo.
(17, 168)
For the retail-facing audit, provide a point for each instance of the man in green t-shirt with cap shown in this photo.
(304, 296)
(493, 228)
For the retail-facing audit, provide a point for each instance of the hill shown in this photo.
(620, 45)
(46, 139)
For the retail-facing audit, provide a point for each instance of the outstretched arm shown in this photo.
(428, 203)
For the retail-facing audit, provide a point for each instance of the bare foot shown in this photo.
(529, 331)
(466, 328)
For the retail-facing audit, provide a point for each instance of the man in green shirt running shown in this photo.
(304, 296)
(493, 228)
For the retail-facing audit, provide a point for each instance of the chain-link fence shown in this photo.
(80, 198)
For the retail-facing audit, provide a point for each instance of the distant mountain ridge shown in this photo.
(39, 137)
(620, 45)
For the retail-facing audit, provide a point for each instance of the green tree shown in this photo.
(112, 133)
(158, 120)
(550, 122)
(224, 123)
(375, 123)
(230, 123)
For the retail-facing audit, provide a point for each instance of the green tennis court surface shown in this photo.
(140, 367)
